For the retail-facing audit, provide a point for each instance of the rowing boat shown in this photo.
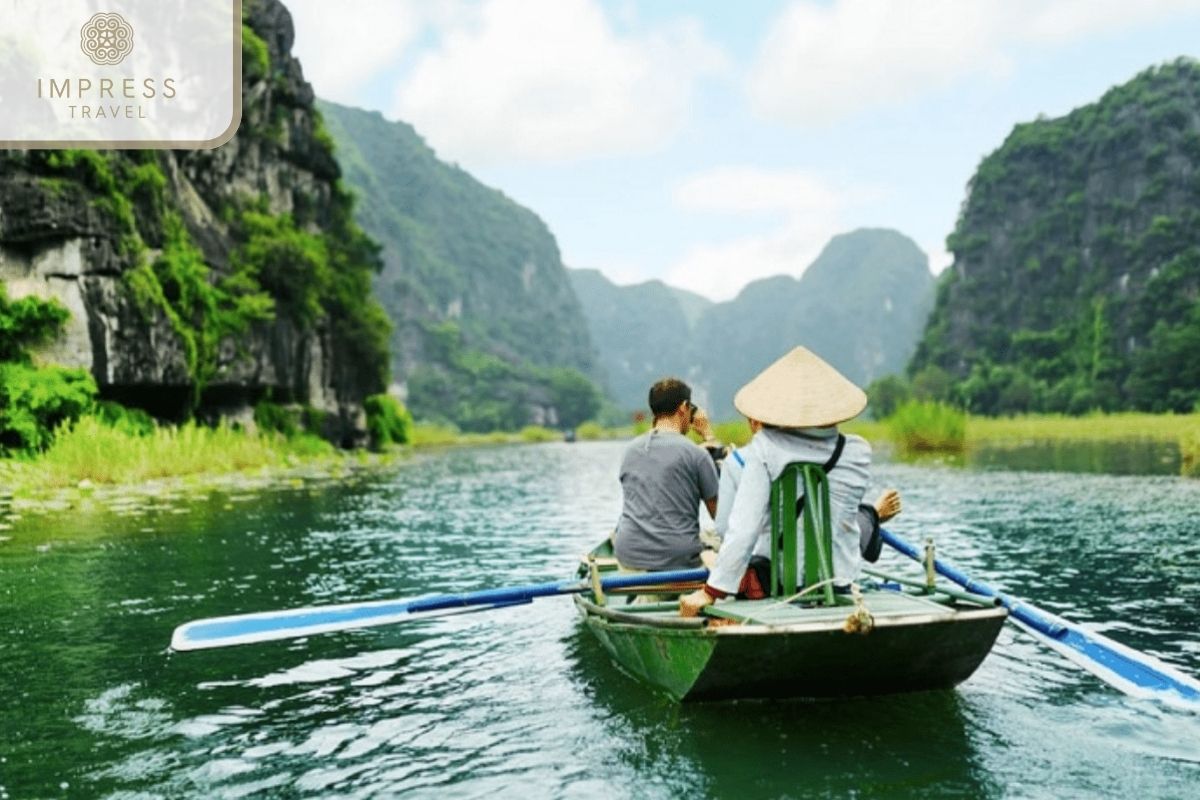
(911, 638)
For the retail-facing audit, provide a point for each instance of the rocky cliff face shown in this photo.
(177, 267)
(1077, 259)
(474, 282)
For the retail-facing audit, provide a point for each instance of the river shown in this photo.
(521, 702)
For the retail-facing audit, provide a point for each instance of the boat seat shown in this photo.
(801, 520)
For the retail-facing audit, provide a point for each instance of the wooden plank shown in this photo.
(771, 612)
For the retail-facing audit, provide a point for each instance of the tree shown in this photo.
(574, 396)
(887, 394)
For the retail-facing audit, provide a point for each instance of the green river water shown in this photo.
(521, 702)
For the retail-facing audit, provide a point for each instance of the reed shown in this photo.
(1189, 454)
(735, 432)
(1091, 427)
(924, 427)
(592, 432)
(428, 434)
(90, 450)
(537, 433)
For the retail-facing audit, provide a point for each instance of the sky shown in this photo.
(709, 143)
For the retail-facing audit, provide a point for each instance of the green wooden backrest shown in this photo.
(817, 529)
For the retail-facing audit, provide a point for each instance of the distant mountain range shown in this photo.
(642, 332)
(861, 305)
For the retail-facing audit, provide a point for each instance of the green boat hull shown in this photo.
(914, 645)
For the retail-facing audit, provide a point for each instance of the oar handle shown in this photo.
(634, 579)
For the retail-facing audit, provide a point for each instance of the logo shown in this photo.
(106, 39)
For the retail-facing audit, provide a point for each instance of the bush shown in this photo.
(589, 432)
(1189, 452)
(131, 421)
(536, 433)
(272, 417)
(306, 445)
(33, 402)
(428, 434)
(928, 427)
(576, 398)
(314, 420)
(887, 394)
(388, 421)
(736, 432)
(27, 322)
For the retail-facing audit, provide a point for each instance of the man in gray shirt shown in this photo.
(664, 476)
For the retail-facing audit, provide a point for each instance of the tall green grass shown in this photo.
(428, 434)
(1091, 427)
(591, 432)
(536, 433)
(925, 427)
(1189, 454)
(735, 432)
(90, 450)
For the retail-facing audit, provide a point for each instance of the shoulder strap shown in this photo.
(827, 466)
(837, 453)
(738, 458)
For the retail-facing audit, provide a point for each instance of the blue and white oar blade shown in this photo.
(292, 623)
(1133, 672)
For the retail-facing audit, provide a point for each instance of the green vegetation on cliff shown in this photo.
(1076, 280)
(203, 282)
(35, 400)
(480, 392)
(461, 262)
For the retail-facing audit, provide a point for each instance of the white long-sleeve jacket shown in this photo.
(749, 527)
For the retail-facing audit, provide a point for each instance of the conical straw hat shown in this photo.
(800, 390)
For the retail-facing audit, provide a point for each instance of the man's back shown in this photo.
(664, 476)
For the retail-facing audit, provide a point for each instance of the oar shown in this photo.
(266, 626)
(1129, 670)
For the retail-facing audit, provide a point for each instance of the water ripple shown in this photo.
(521, 701)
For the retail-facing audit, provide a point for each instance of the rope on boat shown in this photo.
(860, 619)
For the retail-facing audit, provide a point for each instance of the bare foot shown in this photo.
(888, 504)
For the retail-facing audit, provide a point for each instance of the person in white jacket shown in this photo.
(800, 400)
(886, 506)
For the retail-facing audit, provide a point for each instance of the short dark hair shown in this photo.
(667, 394)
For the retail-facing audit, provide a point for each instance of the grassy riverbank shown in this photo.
(943, 430)
(93, 453)
(431, 435)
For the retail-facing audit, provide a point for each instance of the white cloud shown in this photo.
(754, 190)
(810, 209)
(823, 62)
(343, 46)
(550, 80)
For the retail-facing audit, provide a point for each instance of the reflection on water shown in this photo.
(1126, 457)
(522, 701)
(917, 745)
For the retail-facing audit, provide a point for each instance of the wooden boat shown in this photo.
(913, 635)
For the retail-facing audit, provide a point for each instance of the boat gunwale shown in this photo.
(761, 628)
